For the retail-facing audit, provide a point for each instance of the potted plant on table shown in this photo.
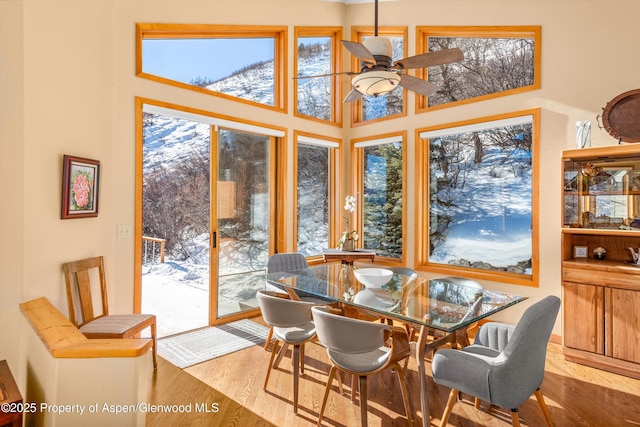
(349, 236)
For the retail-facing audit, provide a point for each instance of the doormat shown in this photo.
(205, 344)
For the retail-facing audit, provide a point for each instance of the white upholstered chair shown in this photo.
(358, 347)
(285, 263)
(292, 324)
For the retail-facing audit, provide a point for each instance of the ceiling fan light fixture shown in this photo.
(374, 83)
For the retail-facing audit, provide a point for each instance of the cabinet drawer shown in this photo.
(606, 276)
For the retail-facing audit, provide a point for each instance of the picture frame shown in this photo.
(580, 251)
(80, 187)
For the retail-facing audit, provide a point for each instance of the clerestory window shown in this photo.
(317, 54)
(243, 63)
(390, 105)
(498, 61)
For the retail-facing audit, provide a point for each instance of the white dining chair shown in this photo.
(359, 348)
(292, 324)
(284, 263)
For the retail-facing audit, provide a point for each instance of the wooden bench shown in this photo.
(10, 394)
(64, 340)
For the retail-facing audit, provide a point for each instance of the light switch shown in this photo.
(124, 231)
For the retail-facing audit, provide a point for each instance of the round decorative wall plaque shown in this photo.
(621, 116)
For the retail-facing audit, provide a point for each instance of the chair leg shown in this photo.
(296, 376)
(302, 358)
(340, 387)
(362, 383)
(332, 373)
(405, 394)
(515, 418)
(268, 341)
(453, 397)
(281, 353)
(354, 387)
(273, 356)
(543, 406)
(154, 339)
(476, 403)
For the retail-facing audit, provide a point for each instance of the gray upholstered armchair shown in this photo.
(504, 366)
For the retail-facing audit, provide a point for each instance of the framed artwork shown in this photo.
(80, 185)
(580, 251)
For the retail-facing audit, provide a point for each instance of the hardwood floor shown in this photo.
(232, 385)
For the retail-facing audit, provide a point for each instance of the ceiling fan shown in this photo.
(379, 75)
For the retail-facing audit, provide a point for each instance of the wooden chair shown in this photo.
(77, 275)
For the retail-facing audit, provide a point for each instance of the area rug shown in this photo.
(205, 344)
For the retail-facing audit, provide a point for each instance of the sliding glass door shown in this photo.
(244, 216)
(176, 199)
(207, 219)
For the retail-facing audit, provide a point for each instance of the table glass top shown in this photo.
(444, 303)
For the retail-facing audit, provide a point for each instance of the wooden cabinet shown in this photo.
(9, 394)
(601, 297)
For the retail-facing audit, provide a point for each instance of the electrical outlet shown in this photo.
(124, 231)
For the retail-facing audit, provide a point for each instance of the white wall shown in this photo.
(12, 244)
(68, 87)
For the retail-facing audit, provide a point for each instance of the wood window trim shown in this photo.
(357, 179)
(357, 33)
(177, 31)
(334, 189)
(422, 207)
(335, 33)
(424, 32)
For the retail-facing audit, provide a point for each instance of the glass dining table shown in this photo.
(441, 309)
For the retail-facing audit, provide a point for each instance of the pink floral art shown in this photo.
(81, 190)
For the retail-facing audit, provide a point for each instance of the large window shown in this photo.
(393, 104)
(242, 63)
(316, 160)
(498, 61)
(382, 184)
(478, 197)
(317, 53)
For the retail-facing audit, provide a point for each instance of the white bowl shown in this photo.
(373, 277)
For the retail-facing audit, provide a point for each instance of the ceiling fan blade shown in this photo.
(438, 57)
(346, 73)
(359, 51)
(352, 96)
(417, 85)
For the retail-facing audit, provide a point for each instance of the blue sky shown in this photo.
(185, 59)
